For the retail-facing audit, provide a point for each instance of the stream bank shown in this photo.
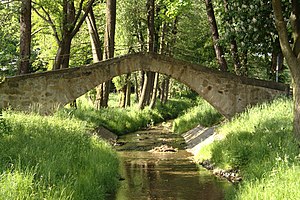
(198, 138)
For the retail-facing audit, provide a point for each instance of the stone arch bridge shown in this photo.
(228, 93)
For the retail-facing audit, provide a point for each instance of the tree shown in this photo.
(9, 38)
(249, 25)
(94, 37)
(291, 53)
(67, 24)
(103, 90)
(149, 76)
(233, 45)
(25, 37)
(215, 36)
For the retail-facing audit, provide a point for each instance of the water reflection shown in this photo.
(165, 176)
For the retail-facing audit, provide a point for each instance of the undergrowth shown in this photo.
(261, 145)
(202, 114)
(53, 158)
(122, 121)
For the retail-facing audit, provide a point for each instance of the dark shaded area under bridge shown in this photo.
(228, 93)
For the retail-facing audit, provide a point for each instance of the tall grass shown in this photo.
(203, 113)
(260, 143)
(53, 158)
(121, 121)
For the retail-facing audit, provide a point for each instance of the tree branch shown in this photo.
(295, 22)
(86, 12)
(78, 13)
(286, 48)
(47, 19)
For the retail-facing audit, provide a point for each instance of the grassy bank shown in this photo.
(53, 158)
(203, 113)
(260, 144)
(121, 121)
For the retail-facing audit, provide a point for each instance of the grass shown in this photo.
(122, 121)
(53, 158)
(261, 145)
(203, 113)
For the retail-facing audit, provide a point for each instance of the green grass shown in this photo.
(122, 121)
(203, 113)
(53, 158)
(261, 145)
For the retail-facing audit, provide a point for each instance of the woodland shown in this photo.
(236, 36)
(56, 157)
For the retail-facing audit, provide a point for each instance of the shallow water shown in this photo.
(164, 176)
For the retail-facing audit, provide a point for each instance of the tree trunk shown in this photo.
(63, 53)
(109, 45)
(233, 46)
(94, 37)
(96, 51)
(25, 37)
(136, 87)
(144, 93)
(122, 97)
(128, 91)
(62, 57)
(151, 26)
(292, 54)
(215, 35)
(235, 56)
(153, 98)
(149, 78)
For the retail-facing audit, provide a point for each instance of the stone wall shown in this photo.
(47, 91)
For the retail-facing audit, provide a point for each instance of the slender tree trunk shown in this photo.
(149, 78)
(144, 93)
(128, 91)
(235, 56)
(153, 98)
(244, 63)
(167, 88)
(25, 37)
(109, 45)
(215, 36)
(136, 87)
(96, 51)
(94, 37)
(122, 97)
(233, 46)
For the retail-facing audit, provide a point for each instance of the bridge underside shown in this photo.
(228, 93)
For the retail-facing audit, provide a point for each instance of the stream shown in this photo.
(162, 175)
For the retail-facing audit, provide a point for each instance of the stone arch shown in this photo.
(228, 93)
